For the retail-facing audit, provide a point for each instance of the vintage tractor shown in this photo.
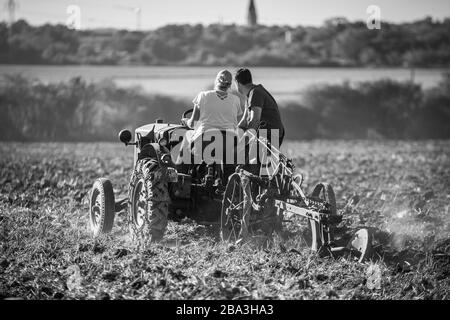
(243, 203)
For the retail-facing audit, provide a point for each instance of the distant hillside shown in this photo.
(424, 43)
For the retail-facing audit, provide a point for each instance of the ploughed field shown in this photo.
(401, 190)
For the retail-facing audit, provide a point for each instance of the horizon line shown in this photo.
(433, 19)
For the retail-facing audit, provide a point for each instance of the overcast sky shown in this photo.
(120, 14)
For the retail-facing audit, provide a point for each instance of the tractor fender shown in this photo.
(150, 150)
(155, 151)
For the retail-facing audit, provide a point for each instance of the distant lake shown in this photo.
(185, 82)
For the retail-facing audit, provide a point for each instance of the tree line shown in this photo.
(338, 42)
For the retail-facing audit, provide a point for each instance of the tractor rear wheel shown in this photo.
(149, 201)
(101, 207)
(324, 192)
(236, 209)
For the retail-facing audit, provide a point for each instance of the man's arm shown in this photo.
(255, 117)
(243, 123)
(194, 117)
(255, 106)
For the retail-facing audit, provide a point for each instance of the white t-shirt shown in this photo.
(218, 110)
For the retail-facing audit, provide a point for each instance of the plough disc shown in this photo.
(310, 230)
(360, 245)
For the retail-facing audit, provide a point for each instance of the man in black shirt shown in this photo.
(261, 106)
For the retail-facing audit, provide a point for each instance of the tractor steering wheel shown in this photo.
(185, 117)
(185, 114)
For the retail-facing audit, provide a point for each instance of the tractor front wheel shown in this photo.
(101, 207)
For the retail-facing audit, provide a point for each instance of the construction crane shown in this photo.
(137, 11)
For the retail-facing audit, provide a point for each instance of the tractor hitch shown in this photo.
(121, 205)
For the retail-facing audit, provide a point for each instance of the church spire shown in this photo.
(252, 19)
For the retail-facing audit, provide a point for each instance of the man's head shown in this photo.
(223, 80)
(243, 79)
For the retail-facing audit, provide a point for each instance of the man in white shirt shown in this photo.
(215, 109)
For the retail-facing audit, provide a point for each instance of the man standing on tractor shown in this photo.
(261, 106)
(261, 112)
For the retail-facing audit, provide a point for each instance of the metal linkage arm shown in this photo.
(290, 210)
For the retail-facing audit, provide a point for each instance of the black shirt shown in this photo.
(258, 96)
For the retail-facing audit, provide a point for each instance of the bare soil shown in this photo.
(400, 190)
